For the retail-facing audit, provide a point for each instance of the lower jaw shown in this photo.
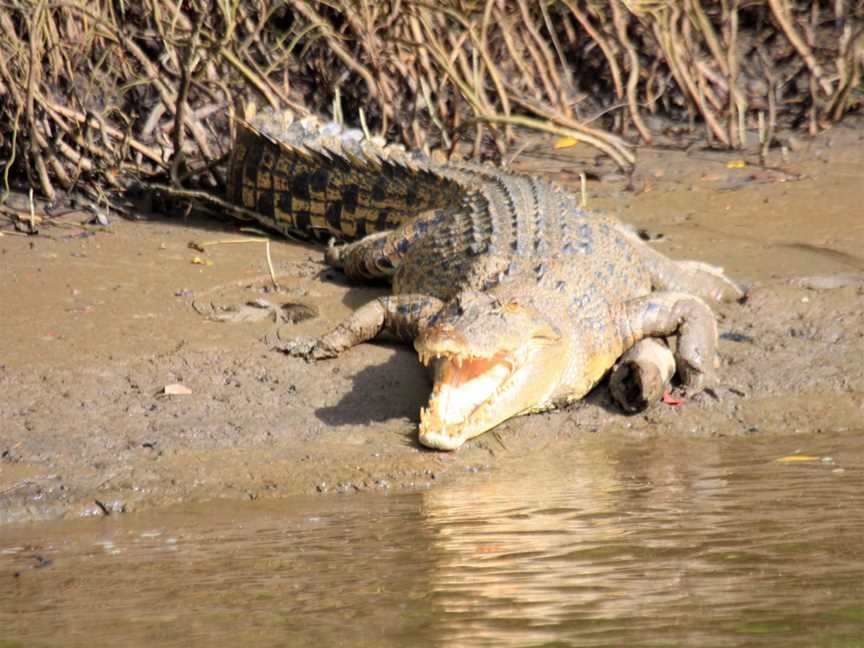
(443, 440)
(452, 436)
(481, 419)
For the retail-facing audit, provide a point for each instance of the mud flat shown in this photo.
(94, 327)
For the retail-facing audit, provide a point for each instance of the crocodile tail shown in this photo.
(312, 180)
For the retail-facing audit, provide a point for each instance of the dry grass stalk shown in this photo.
(95, 96)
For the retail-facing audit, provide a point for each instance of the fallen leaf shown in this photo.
(27, 218)
(796, 458)
(200, 261)
(736, 164)
(176, 389)
(669, 399)
(492, 548)
(565, 142)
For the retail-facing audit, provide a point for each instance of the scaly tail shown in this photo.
(308, 179)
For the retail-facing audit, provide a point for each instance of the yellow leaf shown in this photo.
(794, 458)
(565, 142)
(200, 261)
(736, 164)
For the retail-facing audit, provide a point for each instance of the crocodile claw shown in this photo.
(695, 379)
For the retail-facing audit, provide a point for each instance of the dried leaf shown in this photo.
(200, 261)
(669, 399)
(176, 389)
(797, 458)
(565, 142)
(736, 164)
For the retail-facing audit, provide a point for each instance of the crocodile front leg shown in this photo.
(642, 375)
(400, 315)
(666, 313)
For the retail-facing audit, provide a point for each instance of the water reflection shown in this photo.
(687, 543)
(650, 543)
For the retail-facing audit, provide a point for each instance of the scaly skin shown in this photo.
(521, 299)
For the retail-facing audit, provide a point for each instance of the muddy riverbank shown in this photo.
(96, 326)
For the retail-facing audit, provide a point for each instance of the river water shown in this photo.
(755, 541)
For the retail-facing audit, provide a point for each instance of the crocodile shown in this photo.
(517, 298)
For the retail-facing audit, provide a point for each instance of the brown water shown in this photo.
(615, 542)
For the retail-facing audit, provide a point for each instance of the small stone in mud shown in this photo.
(645, 235)
(613, 177)
(295, 313)
(732, 336)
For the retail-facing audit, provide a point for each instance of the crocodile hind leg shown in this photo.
(372, 257)
(666, 313)
(378, 255)
(399, 315)
(692, 277)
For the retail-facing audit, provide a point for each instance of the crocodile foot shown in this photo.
(642, 375)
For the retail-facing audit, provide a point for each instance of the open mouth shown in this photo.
(466, 387)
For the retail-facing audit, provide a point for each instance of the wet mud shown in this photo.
(95, 327)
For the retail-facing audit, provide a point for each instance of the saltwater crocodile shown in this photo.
(520, 299)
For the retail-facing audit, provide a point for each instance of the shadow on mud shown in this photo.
(396, 389)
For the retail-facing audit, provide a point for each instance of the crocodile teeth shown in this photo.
(429, 421)
(426, 357)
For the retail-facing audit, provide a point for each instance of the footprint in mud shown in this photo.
(289, 313)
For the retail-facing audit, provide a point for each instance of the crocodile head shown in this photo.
(495, 357)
